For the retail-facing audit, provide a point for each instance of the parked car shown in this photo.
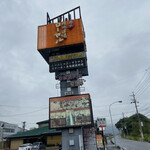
(38, 146)
(27, 146)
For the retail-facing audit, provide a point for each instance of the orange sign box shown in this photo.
(60, 34)
(99, 140)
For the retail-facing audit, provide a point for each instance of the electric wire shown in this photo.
(142, 91)
(20, 106)
(23, 113)
(143, 84)
(147, 113)
(143, 109)
(140, 81)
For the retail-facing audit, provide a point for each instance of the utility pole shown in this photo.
(124, 125)
(2, 132)
(23, 126)
(123, 131)
(135, 102)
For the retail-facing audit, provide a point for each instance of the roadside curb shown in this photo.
(121, 148)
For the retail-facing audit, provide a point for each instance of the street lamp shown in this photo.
(111, 119)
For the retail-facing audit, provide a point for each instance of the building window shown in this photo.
(9, 130)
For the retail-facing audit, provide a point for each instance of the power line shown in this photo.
(144, 89)
(20, 106)
(147, 104)
(143, 84)
(23, 113)
(144, 109)
(147, 113)
(140, 80)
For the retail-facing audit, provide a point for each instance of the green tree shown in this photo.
(130, 125)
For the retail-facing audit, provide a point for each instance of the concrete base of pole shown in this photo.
(72, 139)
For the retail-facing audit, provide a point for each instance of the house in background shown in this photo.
(7, 129)
(50, 137)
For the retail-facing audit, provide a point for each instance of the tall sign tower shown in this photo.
(61, 42)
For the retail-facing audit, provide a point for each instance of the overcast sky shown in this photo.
(118, 51)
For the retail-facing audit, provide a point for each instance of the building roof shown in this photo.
(35, 132)
(41, 122)
(6, 123)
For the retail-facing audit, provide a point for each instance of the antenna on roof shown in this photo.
(48, 19)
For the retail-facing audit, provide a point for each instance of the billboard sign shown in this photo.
(70, 111)
(101, 122)
(68, 64)
(60, 34)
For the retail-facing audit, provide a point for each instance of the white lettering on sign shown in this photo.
(61, 34)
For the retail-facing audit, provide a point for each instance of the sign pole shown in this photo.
(103, 138)
(62, 44)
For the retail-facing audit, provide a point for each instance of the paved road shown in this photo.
(132, 145)
(111, 146)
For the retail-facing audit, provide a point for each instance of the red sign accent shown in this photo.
(70, 77)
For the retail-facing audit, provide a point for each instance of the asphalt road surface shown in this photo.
(132, 145)
(111, 146)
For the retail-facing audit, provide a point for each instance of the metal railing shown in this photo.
(65, 16)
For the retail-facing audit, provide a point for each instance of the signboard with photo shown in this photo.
(70, 111)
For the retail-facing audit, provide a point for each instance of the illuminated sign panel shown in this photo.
(68, 64)
(60, 34)
(70, 111)
(67, 56)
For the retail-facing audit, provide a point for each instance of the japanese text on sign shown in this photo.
(61, 33)
(70, 77)
(101, 122)
(67, 56)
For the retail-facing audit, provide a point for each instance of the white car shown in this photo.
(38, 146)
(27, 146)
